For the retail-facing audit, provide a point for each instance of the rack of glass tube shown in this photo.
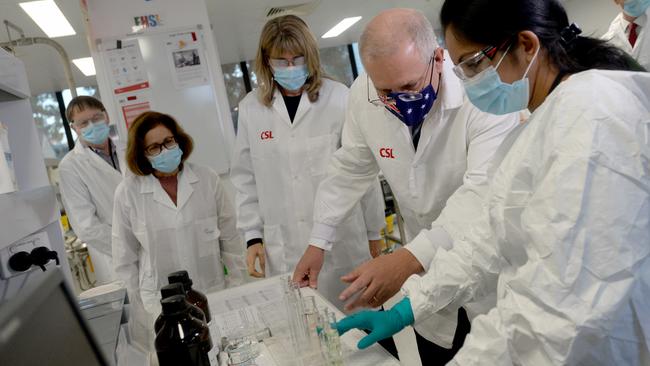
(313, 337)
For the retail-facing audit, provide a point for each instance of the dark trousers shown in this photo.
(430, 353)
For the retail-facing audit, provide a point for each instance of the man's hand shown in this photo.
(379, 279)
(375, 247)
(255, 252)
(306, 273)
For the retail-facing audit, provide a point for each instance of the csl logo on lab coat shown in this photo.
(266, 135)
(386, 152)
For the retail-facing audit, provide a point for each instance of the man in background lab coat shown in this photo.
(89, 176)
(628, 30)
(425, 159)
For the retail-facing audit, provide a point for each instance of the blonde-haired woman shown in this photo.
(288, 129)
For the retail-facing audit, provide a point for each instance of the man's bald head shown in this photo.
(397, 31)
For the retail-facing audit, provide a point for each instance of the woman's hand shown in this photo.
(254, 252)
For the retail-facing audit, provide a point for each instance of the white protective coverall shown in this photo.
(456, 144)
(152, 237)
(564, 238)
(617, 36)
(87, 185)
(277, 167)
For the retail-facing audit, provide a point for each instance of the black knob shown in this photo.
(20, 261)
(42, 255)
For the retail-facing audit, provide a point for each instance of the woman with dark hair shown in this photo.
(563, 237)
(169, 215)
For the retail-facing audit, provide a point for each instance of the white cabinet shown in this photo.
(32, 208)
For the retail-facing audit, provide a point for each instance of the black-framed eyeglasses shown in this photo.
(478, 62)
(156, 148)
(407, 95)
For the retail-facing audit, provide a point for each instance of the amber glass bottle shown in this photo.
(194, 297)
(169, 291)
(182, 340)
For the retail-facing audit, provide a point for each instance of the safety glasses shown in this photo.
(99, 116)
(478, 62)
(281, 62)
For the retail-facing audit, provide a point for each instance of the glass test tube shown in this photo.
(330, 340)
(310, 313)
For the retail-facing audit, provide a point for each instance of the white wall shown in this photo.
(593, 16)
(202, 110)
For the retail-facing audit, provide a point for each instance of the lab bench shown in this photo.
(262, 301)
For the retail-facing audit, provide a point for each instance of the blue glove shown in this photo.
(381, 324)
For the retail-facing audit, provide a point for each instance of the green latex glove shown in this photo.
(381, 324)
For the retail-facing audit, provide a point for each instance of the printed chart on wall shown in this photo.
(186, 58)
(128, 75)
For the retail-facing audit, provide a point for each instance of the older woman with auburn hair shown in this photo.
(169, 215)
(288, 130)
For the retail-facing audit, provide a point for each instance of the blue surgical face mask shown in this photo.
(291, 77)
(413, 108)
(491, 95)
(636, 8)
(168, 160)
(95, 133)
(412, 111)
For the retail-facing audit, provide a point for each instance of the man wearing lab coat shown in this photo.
(628, 30)
(424, 161)
(89, 176)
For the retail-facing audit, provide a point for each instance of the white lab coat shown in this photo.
(277, 177)
(152, 237)
(616, 36)
(563, 238)
(87, 185)
(456, 144)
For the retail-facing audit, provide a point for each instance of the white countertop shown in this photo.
(264, 297)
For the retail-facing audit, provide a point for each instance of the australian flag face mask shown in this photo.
(412, 108)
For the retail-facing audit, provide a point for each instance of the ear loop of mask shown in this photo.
(530, 65)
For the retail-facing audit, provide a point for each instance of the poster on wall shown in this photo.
(127, 68)
(128, 77)
(131, 106)
(186, 59)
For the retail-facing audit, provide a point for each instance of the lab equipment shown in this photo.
(295, 314)
(169, 291)
(34, 322)
(242, 353)
(310, 314)
(330, 341)
(258, 335)
(7, 175)
(313, 333)
(193, 297)
(183, 340)
(103, 308)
